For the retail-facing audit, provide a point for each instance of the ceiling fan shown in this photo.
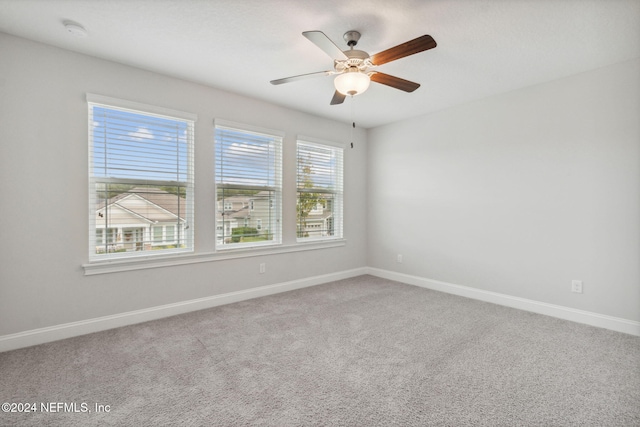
(355, 69)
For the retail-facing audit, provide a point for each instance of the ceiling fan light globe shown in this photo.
(352, 83)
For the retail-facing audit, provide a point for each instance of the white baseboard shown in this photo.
(68, 330)
(579, 316)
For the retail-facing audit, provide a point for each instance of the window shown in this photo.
(249, 178)
(157, 234)
(319, 198)
(110, 236)
(170, 233)
(140, 179)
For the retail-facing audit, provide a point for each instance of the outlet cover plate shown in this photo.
(576, 286)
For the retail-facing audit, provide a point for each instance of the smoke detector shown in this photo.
(75, 29)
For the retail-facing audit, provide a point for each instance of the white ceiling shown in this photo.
(484, 47)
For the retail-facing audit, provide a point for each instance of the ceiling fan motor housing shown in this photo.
(357, 59)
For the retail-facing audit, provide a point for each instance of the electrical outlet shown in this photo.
(399, 258)
(263, 267)
(576, 286)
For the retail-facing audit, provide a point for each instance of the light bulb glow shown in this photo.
(352, 82)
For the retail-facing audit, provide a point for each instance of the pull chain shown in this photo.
(353, 120)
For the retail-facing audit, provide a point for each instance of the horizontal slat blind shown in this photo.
(319, 196)
(137, 146)
(141, 182)
(249, 186)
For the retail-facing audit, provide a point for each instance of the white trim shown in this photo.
(309, 140)
(150, 111)
(275, 139)
(115, 265)
(139, 107)
(312, 240)
(228, 124)
(580, 316)
(68, 330)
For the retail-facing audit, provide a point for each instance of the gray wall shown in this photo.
(519, 193)
(43, 186)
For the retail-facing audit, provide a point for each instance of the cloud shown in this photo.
(141, 134)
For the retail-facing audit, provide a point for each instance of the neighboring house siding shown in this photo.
(140, 219)
(317, 224)
(244, 211)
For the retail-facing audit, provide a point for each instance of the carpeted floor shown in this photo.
(358, 352)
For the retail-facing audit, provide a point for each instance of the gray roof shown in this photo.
(166, 201)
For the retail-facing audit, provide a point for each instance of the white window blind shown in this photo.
(249, 187)
(319, 195)
(140, 180)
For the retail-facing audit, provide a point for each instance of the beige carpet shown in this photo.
(358, 352)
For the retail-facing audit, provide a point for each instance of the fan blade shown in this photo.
(301, 77)
(338, 98)
(321, 40)
(394, 82)
(405, 49)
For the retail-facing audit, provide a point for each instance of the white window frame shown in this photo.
(152, 111)
(337, 151)
(274, 226)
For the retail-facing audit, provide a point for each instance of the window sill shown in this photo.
(119, 265)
